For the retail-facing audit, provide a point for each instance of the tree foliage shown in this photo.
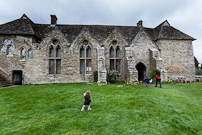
(196, 62)
(198, 72)
(153, 73)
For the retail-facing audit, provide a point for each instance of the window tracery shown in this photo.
(54, 59)
(85, 58)
(115, 57)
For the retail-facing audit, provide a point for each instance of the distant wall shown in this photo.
(178, 57)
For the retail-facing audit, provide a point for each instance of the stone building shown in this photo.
(34, 53)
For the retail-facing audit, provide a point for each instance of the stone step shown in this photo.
(4, 82)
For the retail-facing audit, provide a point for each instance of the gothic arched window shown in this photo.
(85, 58)
(54, 59)
(115, 58)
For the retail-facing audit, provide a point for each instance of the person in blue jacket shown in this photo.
(147, 80)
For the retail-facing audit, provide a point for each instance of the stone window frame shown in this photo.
(114, 57)
(55, 58)
(85, 57)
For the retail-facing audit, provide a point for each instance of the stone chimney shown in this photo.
(139, 24)
(53, 19)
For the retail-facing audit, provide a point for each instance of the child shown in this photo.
(87, 101)
(147, 80)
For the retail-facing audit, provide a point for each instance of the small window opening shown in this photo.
(114, 42)
(55, 42)
(85, 42)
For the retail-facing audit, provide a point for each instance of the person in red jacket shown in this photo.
(158, 78)
(87, 100)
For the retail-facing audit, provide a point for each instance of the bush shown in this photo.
(95, 74)
(153, 73)
(112, 75)
(198, 72)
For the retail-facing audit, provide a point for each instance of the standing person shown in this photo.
(158, 78)
(87, 100)
(147, 80)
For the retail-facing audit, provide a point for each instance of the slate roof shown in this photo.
(19, 27)
(168, 32)
(24, 26)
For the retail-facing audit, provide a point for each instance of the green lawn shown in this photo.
(175, 109)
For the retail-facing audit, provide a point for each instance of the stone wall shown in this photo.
(178, 57)
(140, 50)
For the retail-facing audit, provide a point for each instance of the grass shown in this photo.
(53, 109)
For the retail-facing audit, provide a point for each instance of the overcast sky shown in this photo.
(184, 15)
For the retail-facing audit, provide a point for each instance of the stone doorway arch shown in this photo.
(141, 71)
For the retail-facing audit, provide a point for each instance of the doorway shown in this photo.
(141, 71)
(17, 78)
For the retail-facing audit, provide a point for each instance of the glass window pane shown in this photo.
(114, 42)
(118, 65)
(88, 52)
(85, 42)
(23, 54)
(111, 52)
(7, 41)
(88, 66)
(111, 64)
(3, 48)
(55, 42)
(118, 53)
(58, 66)
(10, 50)
(58, 52)
(51, 66)
(82, 66)
(88, 63)
(82, 52)
(51, 52)
(30, 53)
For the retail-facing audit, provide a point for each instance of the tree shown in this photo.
(196, 62)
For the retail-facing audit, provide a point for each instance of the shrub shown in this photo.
(112, 75)
(198, 72)
(95, 74)
(153, 73)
